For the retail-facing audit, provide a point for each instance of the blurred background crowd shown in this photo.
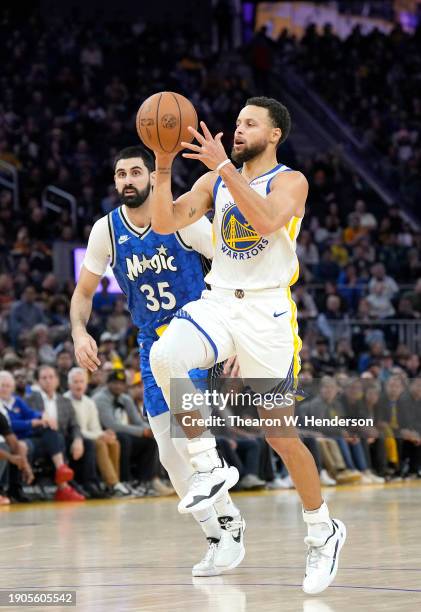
(70, 90)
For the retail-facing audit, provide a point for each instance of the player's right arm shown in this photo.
(169, 216)
(86, 350)
(93, 268)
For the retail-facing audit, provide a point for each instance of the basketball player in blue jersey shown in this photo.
(249, 312)
(158, 274)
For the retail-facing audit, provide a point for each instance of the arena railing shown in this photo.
(57, 200)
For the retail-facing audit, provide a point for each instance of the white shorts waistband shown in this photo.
(250, 293)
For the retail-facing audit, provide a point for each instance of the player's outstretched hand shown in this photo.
(86, 352)
(210, 150)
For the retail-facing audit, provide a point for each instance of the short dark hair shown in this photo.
(278, 113)
(136, 151)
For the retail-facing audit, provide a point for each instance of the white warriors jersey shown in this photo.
(243, 259)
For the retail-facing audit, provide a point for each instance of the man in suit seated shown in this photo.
(39, 435)
(52, 404)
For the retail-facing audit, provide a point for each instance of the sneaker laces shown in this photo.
(315, 554)
(197, 479)
(213, 545)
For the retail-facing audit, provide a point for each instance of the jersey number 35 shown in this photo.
(166, 299)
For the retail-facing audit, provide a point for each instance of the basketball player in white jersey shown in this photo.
(249, 312)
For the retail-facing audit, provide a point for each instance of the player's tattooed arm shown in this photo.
(169, 216)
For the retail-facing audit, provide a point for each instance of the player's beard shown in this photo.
(136, 200)
(248, 153)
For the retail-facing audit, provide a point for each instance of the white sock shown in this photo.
(319, 524)
(224, 506)
(208, 520)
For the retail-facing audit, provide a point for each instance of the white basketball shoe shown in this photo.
(322, 559)
(212, 478)
(230, 551)
(206, 567)
(224, 554)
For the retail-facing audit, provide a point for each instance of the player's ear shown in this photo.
(153, 178)
(276, 134)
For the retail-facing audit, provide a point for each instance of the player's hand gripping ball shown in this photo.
(162, 122)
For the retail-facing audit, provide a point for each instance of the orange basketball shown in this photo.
(162, 121)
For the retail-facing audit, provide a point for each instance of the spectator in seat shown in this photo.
(322, 359)
(367, 219)
(50, 403)
(138, 447)
(306, 307)
(331, 322)
(413, 365)
(25, 314)
(354, 231)
(64, 363)
(39, 435)
(376, 442)
(22, 386)
(103, 302)
(350, 287)
(391, 420)
(378, 274)
(107, 446)
(379, 300)
(405, 310)
(415, 297)
(327, 269)
(12, 452)
(326, 404)
(344, 355)
(353, 406)
(404, 408)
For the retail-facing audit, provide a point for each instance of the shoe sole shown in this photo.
(232, 479)
(342, 531)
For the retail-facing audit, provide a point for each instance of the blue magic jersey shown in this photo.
(157, 273)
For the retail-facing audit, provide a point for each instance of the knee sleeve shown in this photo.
(180, 349)
(161, 359)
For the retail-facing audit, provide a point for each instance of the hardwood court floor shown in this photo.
(137, 554)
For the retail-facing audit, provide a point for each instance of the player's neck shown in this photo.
(258, 166)
(140, 217)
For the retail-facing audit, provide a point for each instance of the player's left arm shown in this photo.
(286, 199)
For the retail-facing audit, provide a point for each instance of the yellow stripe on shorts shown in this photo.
(160, 330)
(292, 227)
(296, 338)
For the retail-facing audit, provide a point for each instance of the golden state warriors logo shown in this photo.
(237, 233)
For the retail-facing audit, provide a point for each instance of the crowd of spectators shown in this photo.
(93, 441)
(372, 81)
(91, 446)
(68, 104)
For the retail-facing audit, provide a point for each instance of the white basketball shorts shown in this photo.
(260, 327)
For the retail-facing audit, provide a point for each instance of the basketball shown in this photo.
(163, 119)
